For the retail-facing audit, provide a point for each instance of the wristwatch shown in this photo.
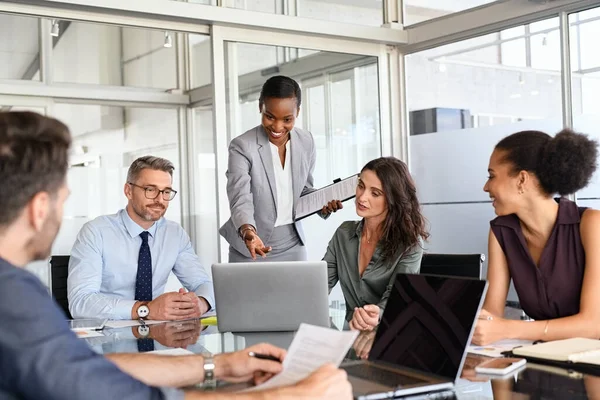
(143, 311)
(209, 371)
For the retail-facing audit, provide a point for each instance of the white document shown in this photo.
(172, 352)
(497, 348)
(312, 347)
(124, 323)
(314, 201)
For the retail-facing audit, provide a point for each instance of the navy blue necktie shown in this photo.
(143, 280)
(143, 284)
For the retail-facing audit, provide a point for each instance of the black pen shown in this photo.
(263, 356)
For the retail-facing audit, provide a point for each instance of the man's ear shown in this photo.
(127, 190)
(298, 112)
(38, 210)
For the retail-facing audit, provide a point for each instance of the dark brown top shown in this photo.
(552, 289)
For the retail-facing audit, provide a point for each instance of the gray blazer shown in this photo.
(251, 183)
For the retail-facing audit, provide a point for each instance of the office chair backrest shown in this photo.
(59, 269)
(465, 265)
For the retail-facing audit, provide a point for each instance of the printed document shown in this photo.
(312, 347)
(313, 202)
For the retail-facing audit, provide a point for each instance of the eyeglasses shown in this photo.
(152, 192)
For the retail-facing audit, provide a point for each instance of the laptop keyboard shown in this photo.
(380, 375)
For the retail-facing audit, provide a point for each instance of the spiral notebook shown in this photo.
(569, 352)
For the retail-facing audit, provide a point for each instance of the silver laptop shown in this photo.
(422, 340)
(270, 296)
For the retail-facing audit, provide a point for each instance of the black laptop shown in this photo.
(422, 340)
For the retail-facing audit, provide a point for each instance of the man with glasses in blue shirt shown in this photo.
(120, 263)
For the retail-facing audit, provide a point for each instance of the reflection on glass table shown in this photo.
(535, 381)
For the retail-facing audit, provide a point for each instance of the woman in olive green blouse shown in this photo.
(365, 256)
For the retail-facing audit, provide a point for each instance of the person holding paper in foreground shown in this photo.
(269, 168)
(550, 249)
(41, 357)
(365, 256)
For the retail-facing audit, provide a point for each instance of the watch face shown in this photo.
(143, 330)
(143, 311)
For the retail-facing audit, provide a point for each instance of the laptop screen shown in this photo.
(428, 322)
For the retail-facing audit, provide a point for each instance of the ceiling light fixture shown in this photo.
(55, 30)
(168, 40)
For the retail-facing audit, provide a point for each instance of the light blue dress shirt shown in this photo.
(104, 259)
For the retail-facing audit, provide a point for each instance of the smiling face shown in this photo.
(279, 117)
(148, 209)
(370, 197)
(504, 187)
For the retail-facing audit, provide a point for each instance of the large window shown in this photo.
(416, 11)
(20, 57)
(586, 89)
(113, 55)
(462, 100)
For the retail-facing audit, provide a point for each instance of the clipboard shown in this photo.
(313, 202)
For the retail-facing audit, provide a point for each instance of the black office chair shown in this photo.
(59, 270)
(463, 265)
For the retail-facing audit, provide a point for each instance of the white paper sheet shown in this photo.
(496, 349)
(312, 347)
(172, 352)
(124, 323)
(314, 201)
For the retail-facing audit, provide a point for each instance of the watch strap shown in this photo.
(209, 371)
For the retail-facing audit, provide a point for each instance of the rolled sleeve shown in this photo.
(85, 280)
(190, 271)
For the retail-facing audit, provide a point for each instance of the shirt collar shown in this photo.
(358, 231)
(133, 228)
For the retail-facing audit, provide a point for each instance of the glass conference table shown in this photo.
(533, 382)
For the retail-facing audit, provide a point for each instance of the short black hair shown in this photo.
(33, 159)
(280, 87)
(563, 164)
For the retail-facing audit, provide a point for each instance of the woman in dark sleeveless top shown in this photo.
(550, 249)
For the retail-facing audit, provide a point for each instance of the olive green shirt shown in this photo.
(375, 285)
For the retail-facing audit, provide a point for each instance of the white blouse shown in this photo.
(283, 183)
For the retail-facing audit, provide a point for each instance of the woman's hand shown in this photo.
(490, 329)
(365, 318)
(363, 343)
(254, 244)
(331, 207)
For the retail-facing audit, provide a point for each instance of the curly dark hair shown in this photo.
(563, 164)
(404, 224)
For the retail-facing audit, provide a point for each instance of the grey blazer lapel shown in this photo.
(267, 160)
(297, 150)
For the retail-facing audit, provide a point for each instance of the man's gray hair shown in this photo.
(148, 162)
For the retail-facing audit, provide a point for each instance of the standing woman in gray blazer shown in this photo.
(269, 168)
